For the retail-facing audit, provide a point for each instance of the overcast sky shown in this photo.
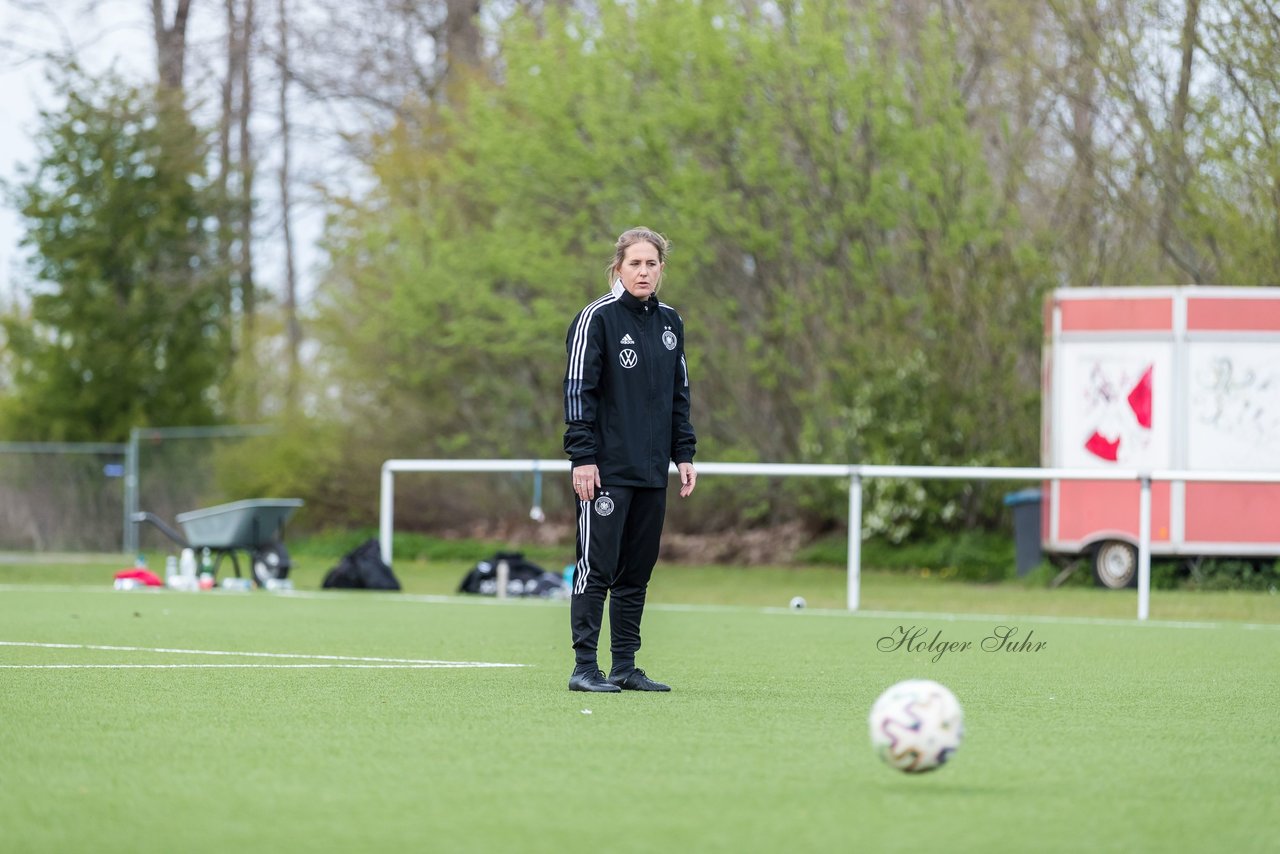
(104, 33)
(16, 114)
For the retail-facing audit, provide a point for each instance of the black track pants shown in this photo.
(618, 537)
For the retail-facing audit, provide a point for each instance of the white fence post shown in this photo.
(131, 493)
(387, 512)
(855, 540)
(1144, 546)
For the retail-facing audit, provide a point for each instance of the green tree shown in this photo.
(122, 326)
(1175, 108)
(855, 290)
(1232, 203)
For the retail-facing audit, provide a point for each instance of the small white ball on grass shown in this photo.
(797, 602)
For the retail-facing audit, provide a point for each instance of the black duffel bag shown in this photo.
(524, 578)
(362, 569)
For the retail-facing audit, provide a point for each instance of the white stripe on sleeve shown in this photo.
(577, 357)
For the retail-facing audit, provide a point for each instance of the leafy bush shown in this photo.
(411, 546)
(967, 556)
(1233, 574)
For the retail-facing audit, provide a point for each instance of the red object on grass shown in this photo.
(146, 576)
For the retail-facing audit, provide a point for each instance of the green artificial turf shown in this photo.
(1113, 736)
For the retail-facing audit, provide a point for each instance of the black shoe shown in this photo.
(636, 680)
(592, 680)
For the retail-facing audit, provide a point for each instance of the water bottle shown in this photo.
(504, 578)
(170, 569)
(187, 564)
(206, 569)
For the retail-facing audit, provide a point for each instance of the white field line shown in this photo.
(971, 618)
(454, 665)
(331, 660)
(488, 601)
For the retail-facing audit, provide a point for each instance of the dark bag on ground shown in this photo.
(362, 568)
(524, 578)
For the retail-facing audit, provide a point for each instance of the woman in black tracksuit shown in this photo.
(626, 400)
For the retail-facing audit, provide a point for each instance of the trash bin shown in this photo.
(1025, 505)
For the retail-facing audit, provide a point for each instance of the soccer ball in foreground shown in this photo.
(916, 725)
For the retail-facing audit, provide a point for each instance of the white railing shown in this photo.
(855, 475)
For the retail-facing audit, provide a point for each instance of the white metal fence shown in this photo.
(855, 474)
(83, 496)
(168, 470)
(60, 496)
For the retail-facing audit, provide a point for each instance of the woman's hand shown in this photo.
(688, 479)
(586, 479)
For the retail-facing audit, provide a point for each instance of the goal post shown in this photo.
(390, 468)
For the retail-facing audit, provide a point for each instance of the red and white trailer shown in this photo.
(1161, 378)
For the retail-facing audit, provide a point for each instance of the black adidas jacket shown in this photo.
(626, 390)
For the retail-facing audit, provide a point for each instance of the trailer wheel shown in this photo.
(270, 563)
(1115, 565)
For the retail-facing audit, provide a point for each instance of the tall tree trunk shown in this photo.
(171, 43)
(245, 198)
(1177, 171)
(1086, 264)
(292, 328)
(226, 166)
(462, 36)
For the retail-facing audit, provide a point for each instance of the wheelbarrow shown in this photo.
(255, 527)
